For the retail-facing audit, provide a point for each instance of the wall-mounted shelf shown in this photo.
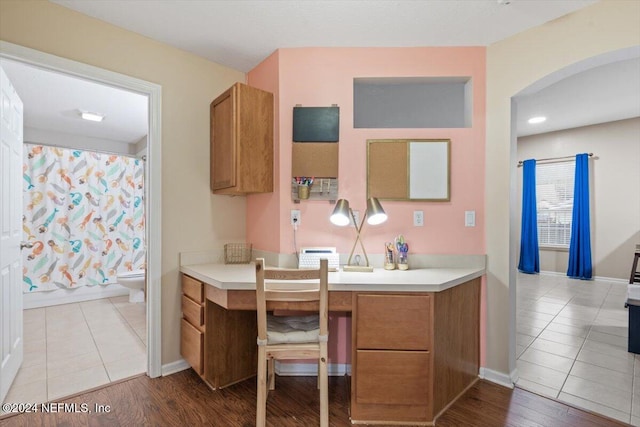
(322, 189)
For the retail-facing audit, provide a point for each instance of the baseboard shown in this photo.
(311, 369)
(68, 296)
(551, 273)
(499, 377)
(174, 367)
(611, 279)
(602, 278)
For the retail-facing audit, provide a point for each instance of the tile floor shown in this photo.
(572, 344)
(74, 347)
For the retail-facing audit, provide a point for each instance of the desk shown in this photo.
(415, 335)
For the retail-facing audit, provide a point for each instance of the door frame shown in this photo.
(153, 182)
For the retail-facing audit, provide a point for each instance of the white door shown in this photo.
(11, 343)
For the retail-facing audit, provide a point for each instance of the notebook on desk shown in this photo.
(310, 257)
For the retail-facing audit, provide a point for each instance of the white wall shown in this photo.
(615, 176)
(67, 140)
(140, 147)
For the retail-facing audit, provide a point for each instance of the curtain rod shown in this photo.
(46, 144)
(553, 158)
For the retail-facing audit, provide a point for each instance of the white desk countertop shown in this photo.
(242, 277)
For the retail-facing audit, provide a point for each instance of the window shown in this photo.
(554, 198)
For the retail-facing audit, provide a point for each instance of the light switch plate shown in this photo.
(418, 218)
(470, 218)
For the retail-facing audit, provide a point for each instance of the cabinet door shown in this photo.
(254, 139)
(223, 146)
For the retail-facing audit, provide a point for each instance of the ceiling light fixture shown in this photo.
(94, 117)
(536, 120)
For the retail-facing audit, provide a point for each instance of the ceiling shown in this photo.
(602, 94)
(240, 34)
(53, 102)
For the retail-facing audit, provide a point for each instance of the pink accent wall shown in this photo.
(263, 210)
(324, 76)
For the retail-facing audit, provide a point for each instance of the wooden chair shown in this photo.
(291, 337)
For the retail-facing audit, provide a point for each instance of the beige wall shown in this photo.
(614, 178)
(192, 218)
(513, 65)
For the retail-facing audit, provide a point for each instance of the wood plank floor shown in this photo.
(183, 399)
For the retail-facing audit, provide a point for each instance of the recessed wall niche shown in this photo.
(412, 102)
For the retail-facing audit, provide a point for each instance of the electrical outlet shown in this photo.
(356, 215)
(295, 217)
(418, 218)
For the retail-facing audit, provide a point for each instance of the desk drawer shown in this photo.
(192, 311)
(393, 322)
(191, 346)
(193, 288)
(392, 377)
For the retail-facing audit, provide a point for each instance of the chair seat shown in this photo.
(293, 329)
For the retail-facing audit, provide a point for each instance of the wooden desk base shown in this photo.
(413, 354)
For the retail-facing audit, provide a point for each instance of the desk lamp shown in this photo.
(343, 214)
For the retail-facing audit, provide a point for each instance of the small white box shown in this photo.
(310, 258)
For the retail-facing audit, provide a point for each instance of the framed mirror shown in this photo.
(409, 169)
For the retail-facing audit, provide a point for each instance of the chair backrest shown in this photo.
(291, 285)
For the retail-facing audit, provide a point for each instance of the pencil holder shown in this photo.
(303, 192)
(389, 264)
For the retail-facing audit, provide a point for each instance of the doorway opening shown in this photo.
(152, 153)
(568, 333)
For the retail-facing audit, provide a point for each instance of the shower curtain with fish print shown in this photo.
(84, 215)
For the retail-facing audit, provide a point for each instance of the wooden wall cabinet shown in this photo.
(242, 141)
(192, 326)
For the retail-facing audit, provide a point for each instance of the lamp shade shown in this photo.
(375, 213)
(340, 215)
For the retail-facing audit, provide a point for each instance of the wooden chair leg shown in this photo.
(324, 387)
(271, 372)
(261, 404)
